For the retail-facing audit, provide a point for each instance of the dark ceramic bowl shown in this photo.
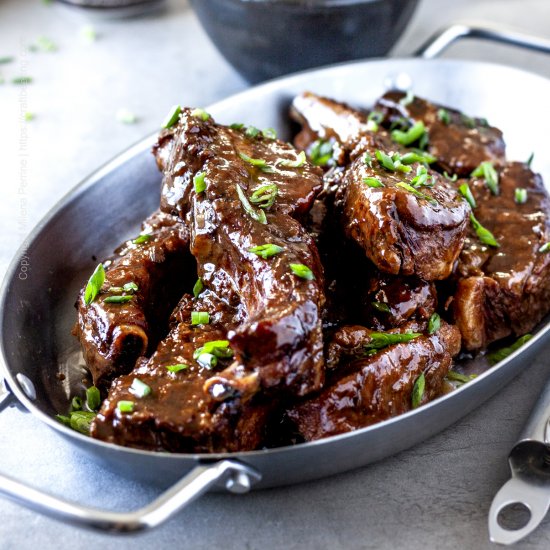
(263, 39)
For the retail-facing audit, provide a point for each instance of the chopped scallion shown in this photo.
(200, 113)
(381, 340)
(466, 192)
(434, 323)
(123, 299)
(94, 285)
(269, 133)
(125, 406)
(418, 391)
(93, 398)
(198, 182)
(483, 234)
(530, 159)
(407, 99)
(299, 162)
(266, 251)
(198, 287)
(143, 238)
(258, 163)
(265, 196)
(139, 388)
(207, 360)
(385, 160)
(545, 248)
(256, 214)
(381, 306)
(302, 271)
(176, 368)
(443, 116)
(520, 195)
(321, 152)
(252, 132)
(172, 117)
(416, 193)
(487, 171)
(200, 318)
(497, 356)
(411, 135)
(373, 182)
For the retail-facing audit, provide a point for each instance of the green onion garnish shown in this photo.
(252, 132)
(302, 271)
(269, 133)
(321, 152)
(125, 116)
(487, 171)
(207, 360)
(7, 59)
(408, 99)
(125, 406)
(422, 178)
(373, 182)
(458, 377)
(264, 196)
(258, 163)
(130, 287)
(218, 348)
(300, 161)
(93, 398)
(416, 193)
(376, 116)
(530, 159)
(172, 117)
(198, 287)
(483, 234)
(468, 121)
(266, 251)
(88, 33)
(466, 192)
(198, 182)
(520, 195)
(76, 403)
(237, 126)
(545, 248)
(411, 135)
(46, 44)
(200, 318)
(177, 367)
(380, 340)
(372, 126)
(21, 80)
(381, 306)
(385, 160)
(28, 116)
(143, 238)
(499, 355)
(452, 178)
(200, 113)
(81, 421)
(443, 116)
(118, 299)
(434, 323)
(418, 391)
(257, 215)
(409, 158)
(139, 388)
(94, 285)
(367, 159)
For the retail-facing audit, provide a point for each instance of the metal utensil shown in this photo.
(36, 302)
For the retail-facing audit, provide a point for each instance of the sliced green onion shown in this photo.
(380, 340)
(530, 159)
(200, 318)
(218, 348)
(6, 59)
(269, 133)
(93, 398)
(81, 421)
(545, 248)
(76, 403)
(139, 388)
(172, 117)
(299, 162)
(466, 192)
(499, 355)
(125, 116)
(468, 121)
(143, 238)
(381, 306)
(258, 163)
(452, 178)
(125, 406)
(399, 166)
(487, 171)
(198, 287)
(367, 159)
(95, 282)
(376, 116)
(434, 324)
(266, 251)
(321, 152)
(372, 126)
(252, 132)
(422, 178)
(200, 113)
(28, 116)
(257, 215)
(483, 234)
(408, 99)
(176, 368)
(373, 182)
(520, 195)
(237, 126)
(130, 287)
(302, 271)
(409, 158)
(88, 33)
(411, 135)
(418, 391)
(443, 116)
(207, 360)
(385, 160)
(21, 80)
(458, 377)
(416, 193)
(46, 44)
(118, 299)
(265, 196)
(198, 182)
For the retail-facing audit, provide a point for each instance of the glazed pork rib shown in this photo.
(506, 289)
(252, 191)
(366, 389)
(459, 143)
(114, 335)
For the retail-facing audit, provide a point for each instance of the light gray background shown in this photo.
(434, 496)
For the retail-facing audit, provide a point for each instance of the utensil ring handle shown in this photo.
(236, 476)
(440, 41)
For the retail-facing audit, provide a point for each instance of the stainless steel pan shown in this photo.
(39, 290)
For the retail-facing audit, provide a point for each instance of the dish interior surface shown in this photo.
(43, 281)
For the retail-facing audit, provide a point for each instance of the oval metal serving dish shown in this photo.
(37, 304)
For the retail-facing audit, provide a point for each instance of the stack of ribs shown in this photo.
(328, 286)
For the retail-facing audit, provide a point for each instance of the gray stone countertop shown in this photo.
(435, 495)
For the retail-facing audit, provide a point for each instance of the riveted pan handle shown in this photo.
(439, 42)
(237, 477)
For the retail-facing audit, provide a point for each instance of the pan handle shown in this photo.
(6, 397)
(440, 41)
(236, 476)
